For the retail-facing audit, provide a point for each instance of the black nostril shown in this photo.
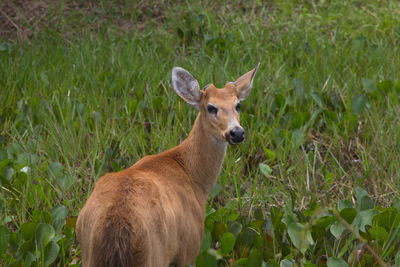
(237, 133)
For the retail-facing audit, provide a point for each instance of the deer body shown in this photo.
(152, 213)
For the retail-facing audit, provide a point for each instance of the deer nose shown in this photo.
(237, 134)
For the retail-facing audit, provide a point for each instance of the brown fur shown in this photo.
(152, 213)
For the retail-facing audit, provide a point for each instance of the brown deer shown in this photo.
(152, 213)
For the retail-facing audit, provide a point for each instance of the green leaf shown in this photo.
(206, 259)
(360, 192)
(8, 172)
(247, 236)
(363, 200)
(227, 242)
(55, 170)
(385, 85)
(242, 262)
(358, 104)
(368, 85)
(4, 238)
(255, 258)
(363, 219)
(50, 253)
(206, 242)
(335, 262)
(59, 213)
(29, 259)
(97, 117)
(317, 99)
(265, 169)
(344, 204)
(44, 234)
(44, 78)
(378, 233)
(298, 136)
(287, 263)
(28, 230)
(235, 228)
(65, 181)
(300, 236)
(348, 214)
(215, 190)
(337, 230)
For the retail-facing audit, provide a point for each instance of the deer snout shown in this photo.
(236, 135)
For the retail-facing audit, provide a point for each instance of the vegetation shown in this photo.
(85, 89)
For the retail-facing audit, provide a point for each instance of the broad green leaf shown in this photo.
(215, 190)
(227, 242)
(206, 259)
(27, 159)
(4, 238)
(335, 262)
(317, 99)
(55, 170)
(364, 218)
(298, 136)
(28, 230)
(65, 181)
(59, 213)
(235, 228)
(219, 230)
(242, 262)
(358, 104)
(368, 85)
(265, 169)
(247, 236)
(360, 192)
(8, 172)
(363, 200)
(300, 236)
(348, 214)
(387, 219)
(29, 259)
(44, 234)
(378, 233)
(255, 258)
(287, 263)
(206, 242)
(50, 253)
(343, 204)
(4, 162)
(337, 230)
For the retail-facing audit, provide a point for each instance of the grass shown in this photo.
(84, 96)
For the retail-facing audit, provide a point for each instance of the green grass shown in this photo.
(84, 97)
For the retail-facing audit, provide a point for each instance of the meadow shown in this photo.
(85, 89)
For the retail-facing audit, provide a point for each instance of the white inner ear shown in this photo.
(245, 91)
(186, 86)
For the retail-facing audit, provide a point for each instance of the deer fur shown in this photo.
(152, 213)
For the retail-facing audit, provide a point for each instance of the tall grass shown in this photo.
(78, 101)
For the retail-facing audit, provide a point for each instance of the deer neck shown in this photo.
(203, 155)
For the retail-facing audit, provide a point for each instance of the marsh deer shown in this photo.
(152, 213)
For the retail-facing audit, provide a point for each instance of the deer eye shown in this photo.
(237, 107)
(211, 109)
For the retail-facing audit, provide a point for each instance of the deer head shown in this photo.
(219, 107)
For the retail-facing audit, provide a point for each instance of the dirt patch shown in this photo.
(20, 19)
(23, 19)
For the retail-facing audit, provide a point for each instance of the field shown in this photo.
(85, 89)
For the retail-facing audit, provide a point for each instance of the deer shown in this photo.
(152, 213)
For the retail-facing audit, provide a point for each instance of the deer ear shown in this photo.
(245, 83)
(186, 86)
